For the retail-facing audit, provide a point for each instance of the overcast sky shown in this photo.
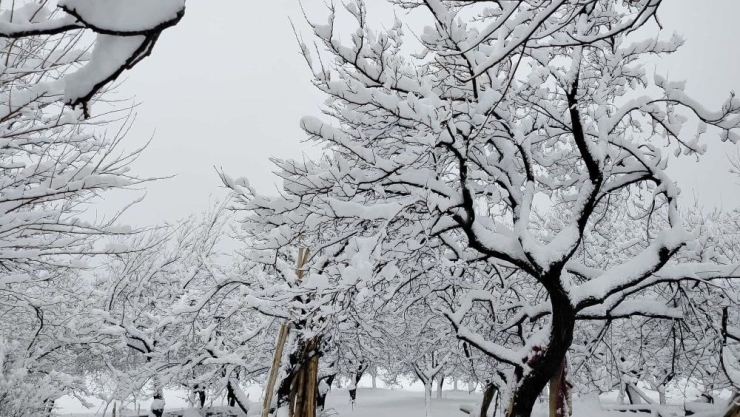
(226, 88)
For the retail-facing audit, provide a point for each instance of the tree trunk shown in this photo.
(324, 387)
(661, 394)
(440, 383)
(734, 408)
(620, 395)
(560, 393)
(200, 394)
(545, 363)
(454, 384)
(471, 386)
(236, 396)
(488, 394)
(353, 386)
(633, 395)
(49, 407)
(428, 398)
(158, 397)
(230, 398)
(375, 379)
(285, 390)
(299, 390)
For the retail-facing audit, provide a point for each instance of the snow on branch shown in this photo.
(126, 33)
(631, 272)
(631, 308)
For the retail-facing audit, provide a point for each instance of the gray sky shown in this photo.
(227, 87)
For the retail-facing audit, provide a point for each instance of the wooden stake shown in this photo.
(274, 368)
(282, 338)
(311, 380)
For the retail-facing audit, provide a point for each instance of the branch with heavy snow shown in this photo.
(125, 18)
(630, 273)
(497, 351)
(630, 308)
(613, 292)
(126, 33)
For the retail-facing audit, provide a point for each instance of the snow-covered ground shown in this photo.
(384, 402)
(407, 400)
(405, 403)
(396, 403)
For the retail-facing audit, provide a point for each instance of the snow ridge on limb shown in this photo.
(126, 33)
(125, 17)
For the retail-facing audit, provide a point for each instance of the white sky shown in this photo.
(227, 87)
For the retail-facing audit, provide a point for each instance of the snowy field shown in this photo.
(378, 402)
(383, 402)
(408, 401)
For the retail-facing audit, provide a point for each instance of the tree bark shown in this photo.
(734, 408)
(236, 396)
(440, 384)
(230, 398)
(49, 407)
(158, 403)
(661, 394)
(285, 389)
(544, 364)
(321, 399)
(632, 394)
(353, 387)
(283, 392)
(488, 394)
(560, 393)
(471, 386)
(428, 398)
(621, 393)
(299, 390)
(200, 394)
(375, 379)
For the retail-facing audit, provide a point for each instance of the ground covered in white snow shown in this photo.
(382, 402)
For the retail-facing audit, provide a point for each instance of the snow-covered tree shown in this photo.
(185, 332)
(442, 158)
(55, 162)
